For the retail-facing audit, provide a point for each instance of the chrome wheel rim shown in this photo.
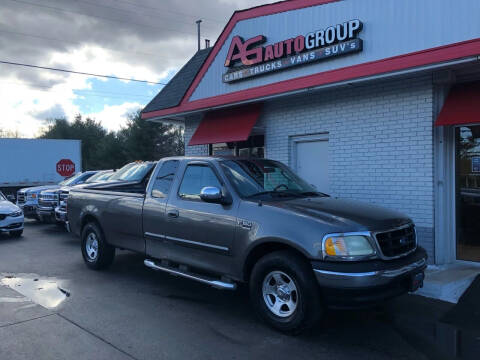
(280, 294)
(91, 246)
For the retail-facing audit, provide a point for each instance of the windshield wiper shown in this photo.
(285, 193)
(314, 193)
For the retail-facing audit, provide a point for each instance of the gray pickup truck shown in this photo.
(223, 221)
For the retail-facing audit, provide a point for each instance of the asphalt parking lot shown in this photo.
(132, 312)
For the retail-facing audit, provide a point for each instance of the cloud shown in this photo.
(56, 111)
(144, 39)
(115, 117)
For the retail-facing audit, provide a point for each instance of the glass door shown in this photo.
(467, 147)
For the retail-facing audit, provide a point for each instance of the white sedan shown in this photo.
(11, 217)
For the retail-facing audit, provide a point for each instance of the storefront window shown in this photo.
(252, 147)
(468, 192)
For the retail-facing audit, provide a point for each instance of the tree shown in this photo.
(145, 140)
(9, 134)
(139, 140)
(91, 134)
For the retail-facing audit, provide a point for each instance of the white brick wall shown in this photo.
(380, 143)
(190, 126)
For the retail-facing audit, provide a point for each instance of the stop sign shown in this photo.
(65, 167)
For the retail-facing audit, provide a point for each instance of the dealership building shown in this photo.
(372, 100)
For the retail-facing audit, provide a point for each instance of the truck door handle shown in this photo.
(172, 213)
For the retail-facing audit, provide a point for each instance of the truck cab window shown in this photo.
(164, 179)
(195, 179)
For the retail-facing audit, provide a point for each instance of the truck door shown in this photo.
(154, 216)
(199, 234)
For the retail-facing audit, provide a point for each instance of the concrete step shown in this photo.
(448, 282)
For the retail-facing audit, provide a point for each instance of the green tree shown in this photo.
(138, 140)
(145, 140)
(90, 132)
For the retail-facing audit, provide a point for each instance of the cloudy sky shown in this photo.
(139, 39)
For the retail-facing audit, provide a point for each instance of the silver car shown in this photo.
(11, 217)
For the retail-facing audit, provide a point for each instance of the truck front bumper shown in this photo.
(46, 212)
(60, 215)
(30, 211)
(356, 283)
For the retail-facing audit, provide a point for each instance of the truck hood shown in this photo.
(346, 214)
(39, 188)
(6, 207)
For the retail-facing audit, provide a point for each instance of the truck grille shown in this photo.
(47, 204)
(21, 197)
(397, 242)
(63, 195)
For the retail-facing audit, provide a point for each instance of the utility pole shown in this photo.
(198, 32)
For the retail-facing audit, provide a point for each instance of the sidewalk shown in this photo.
(29, 331)
(441, 330)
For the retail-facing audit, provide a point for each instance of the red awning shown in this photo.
(462, 106)
(229, 125)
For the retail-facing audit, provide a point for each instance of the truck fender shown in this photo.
(264, 246)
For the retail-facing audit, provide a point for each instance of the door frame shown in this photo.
(453, 170)
(445, 197)
(294, 140)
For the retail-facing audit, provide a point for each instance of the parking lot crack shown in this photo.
(97, 336)
(26, 321)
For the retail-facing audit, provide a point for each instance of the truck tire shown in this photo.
(284, 292)
(97, 254)
(16, 234)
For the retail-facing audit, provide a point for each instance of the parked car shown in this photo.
(223, 221)
(11, 217)
(48, 199)
(61, 209)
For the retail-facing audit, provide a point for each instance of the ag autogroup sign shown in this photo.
(66, 167)
(250, 58)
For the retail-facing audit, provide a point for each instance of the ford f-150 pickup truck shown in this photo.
(223, 221)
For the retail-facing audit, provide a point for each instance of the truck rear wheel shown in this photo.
(284, 292)
(97, 254)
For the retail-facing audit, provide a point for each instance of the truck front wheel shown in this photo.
(284, 292)
(97, 254)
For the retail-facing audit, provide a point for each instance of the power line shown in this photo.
(84, 92)
(73, 43)
(78, 72)
(132, 12)
(80, 43)
(99, 17)
(170, 11)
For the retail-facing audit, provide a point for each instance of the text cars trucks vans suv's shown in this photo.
(222, 221)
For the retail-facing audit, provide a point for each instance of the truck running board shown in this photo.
(178, 271)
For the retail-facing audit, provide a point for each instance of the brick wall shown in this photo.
(190, 126)
(380, 143)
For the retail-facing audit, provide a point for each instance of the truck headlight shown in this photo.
(347, 246)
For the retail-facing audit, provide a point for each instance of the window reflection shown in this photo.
(468, 192)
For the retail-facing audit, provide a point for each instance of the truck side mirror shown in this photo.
(211, 194)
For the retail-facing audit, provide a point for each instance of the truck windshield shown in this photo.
(100, 176)
(132, 172)
(70, 180)
(258, 177)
